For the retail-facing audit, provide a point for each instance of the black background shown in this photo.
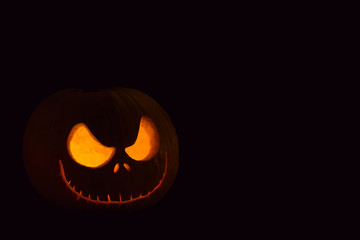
(230, 90)
(196, 94)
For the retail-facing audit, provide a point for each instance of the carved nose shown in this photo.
(116, 168)
(126, 166)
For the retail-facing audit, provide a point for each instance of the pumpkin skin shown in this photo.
(113, 116)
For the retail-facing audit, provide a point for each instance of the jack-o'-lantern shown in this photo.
(111, 148)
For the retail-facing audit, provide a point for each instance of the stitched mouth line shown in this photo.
(88, 198)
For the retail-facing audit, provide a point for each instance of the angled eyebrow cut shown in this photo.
(147, 143)
(86, 150)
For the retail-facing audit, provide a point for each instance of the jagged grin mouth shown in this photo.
(88, 198)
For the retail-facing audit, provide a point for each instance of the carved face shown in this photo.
(113, 148)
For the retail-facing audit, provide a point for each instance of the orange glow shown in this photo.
(147, 142)
(116, 168)
(121, 201)
(86, 150)
(127, 167)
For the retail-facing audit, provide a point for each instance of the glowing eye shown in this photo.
(147, 142)
(86, 150)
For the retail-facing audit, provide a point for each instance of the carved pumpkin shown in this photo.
(111, 148)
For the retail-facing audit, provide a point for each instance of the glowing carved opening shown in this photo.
(86, 150)
(88, 198)
(147, 142)
(116, 168)
(127, 167)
